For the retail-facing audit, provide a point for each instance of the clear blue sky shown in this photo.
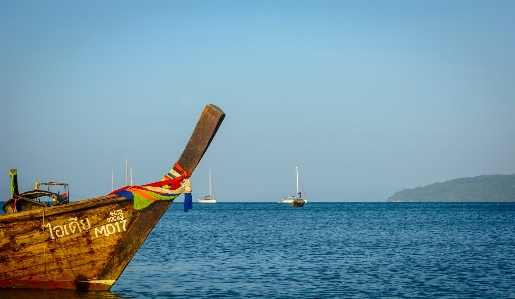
(357, 94)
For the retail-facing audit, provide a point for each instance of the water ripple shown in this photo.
(324, 250)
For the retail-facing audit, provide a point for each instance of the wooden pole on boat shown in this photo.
(14, 182)
(204, 132)
(207, 126)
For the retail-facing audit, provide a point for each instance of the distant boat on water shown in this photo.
(295, 200)
(207, 198)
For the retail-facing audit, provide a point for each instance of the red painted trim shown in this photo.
(54, 284)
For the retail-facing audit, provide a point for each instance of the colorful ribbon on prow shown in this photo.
(168, 188)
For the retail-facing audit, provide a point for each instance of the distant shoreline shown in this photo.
(484, 188)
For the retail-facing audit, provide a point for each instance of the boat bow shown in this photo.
(87, 244)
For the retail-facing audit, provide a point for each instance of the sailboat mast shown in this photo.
(297, 171)
(209, 182)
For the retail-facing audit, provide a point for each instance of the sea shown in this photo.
(322, 250)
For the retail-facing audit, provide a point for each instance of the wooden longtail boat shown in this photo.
(86, 245)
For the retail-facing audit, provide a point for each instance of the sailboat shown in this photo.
(295, 200)
(207, 198)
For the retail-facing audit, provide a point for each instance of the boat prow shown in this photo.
(86, 245)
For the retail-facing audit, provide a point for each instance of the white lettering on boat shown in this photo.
(68, 229)
(115, 216)
(113, 226)
(116, 224)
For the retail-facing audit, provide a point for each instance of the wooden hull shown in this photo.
(86, 245)
(298, 203)
(23, 205)
(83, 245)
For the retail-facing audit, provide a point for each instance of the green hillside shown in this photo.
(485, 188)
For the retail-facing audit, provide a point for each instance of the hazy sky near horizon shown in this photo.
(357, 94)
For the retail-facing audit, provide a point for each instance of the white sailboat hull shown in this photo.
(206, 200)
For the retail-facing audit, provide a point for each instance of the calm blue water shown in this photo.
(323, 250)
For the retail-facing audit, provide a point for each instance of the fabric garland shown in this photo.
(168, 188)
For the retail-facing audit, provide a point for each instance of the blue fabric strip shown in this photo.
(126, 194)
(188, 202)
